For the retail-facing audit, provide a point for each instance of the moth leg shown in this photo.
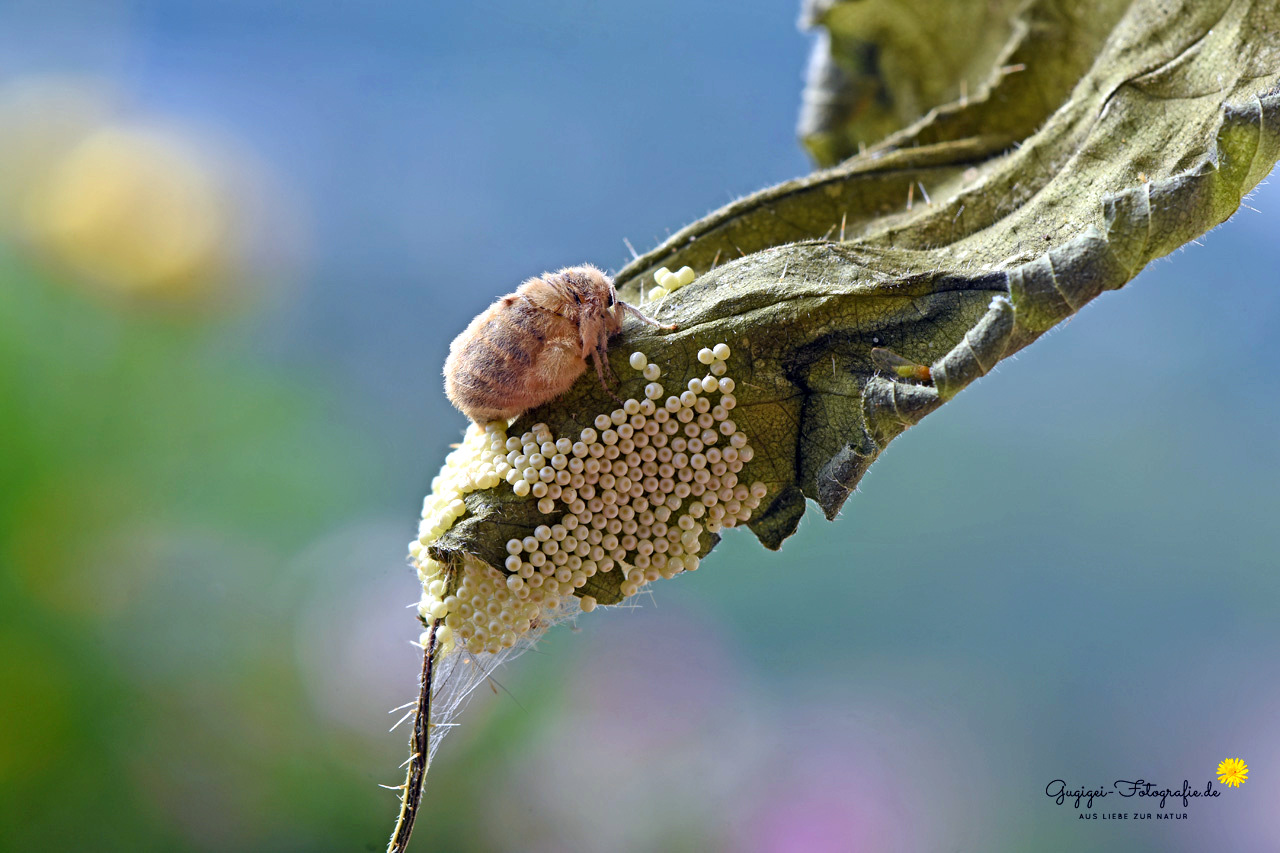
(604, 371)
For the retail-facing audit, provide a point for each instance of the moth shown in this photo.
(531, 345)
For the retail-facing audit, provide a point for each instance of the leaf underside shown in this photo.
(1037, 154)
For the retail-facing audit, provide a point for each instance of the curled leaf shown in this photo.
(1039, 153)
(954, 255)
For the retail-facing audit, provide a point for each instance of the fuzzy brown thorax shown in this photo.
(531, 345)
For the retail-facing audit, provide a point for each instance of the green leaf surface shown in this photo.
(988, 215)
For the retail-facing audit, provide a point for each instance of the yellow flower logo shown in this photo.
(1233, 772)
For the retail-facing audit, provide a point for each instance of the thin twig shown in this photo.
(419, 750)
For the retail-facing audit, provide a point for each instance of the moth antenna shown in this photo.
(640, 315)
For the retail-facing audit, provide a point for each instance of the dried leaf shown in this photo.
(962, 243)
(1039, 154)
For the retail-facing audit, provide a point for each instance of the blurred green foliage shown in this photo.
(153, 481)
(1070, 571)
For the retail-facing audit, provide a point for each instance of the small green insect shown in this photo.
(903, 368)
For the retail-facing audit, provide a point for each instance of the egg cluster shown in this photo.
(466, 469)
(670, 282)
(637, 492)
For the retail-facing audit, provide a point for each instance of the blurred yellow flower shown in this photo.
(41, 120)
(138, 207)
(1233, 772)
(135, 209)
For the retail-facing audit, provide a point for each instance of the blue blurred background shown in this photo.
(238, 238)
